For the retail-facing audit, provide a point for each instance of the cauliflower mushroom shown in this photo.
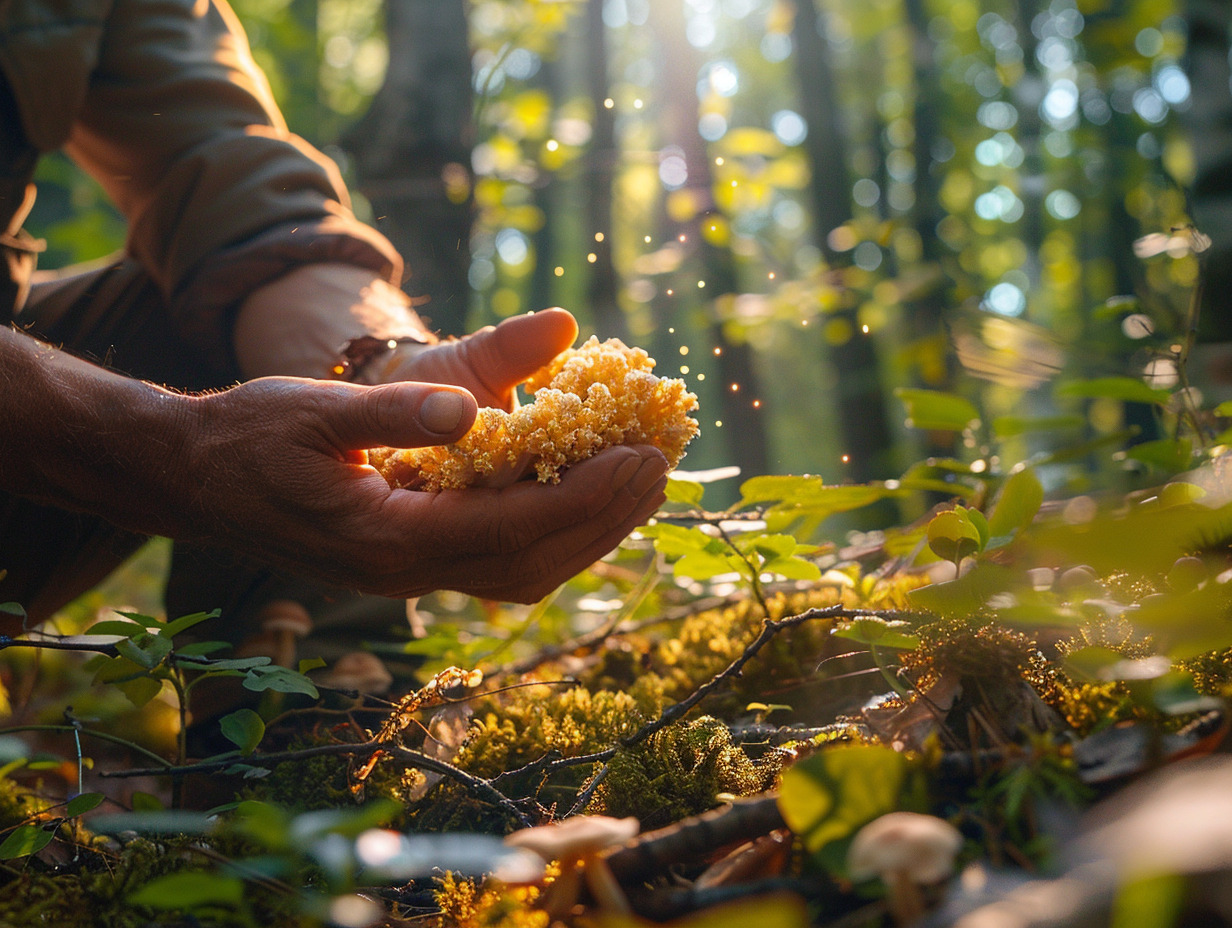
(578, 843)
(907, 851)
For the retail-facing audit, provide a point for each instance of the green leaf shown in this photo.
(140, 690)
(146, 802)
(116, 627)
(147, 650)
(685, 492)
(1012, 426)
(677, 540)
(185, 622)
(187, 890)
(201, 648)
(934, 410)
(1170, 455)
(782, 487)
(1017, 504)
(969, 593)
(279, 679)
(702, 565)
(243, 728)
(874, 630)
(1127, 389)
(806, 501)
(148, 621)
(1150, 900)
(15, 609)
(82, 803)
(234, 663)
(792, 568)
(828, 796)
(25, 840)
(952, 535)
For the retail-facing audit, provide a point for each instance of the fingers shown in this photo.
(504, 356)
(519, 543)
(400, 415)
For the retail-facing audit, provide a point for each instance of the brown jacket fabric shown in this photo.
(161, 102)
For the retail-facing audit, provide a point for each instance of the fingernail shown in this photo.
(650, 473)
(442, 412)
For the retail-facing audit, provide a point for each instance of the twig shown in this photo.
(59, 644)
(770, 628)
(479, 786)
(114, 739)
(653, 852)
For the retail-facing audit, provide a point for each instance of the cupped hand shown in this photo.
(277, 471)
(491, 362)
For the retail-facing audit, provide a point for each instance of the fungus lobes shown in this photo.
(587, 399)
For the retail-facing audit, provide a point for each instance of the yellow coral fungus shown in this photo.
(587, 399)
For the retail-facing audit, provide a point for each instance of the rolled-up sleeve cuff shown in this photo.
(206, 303)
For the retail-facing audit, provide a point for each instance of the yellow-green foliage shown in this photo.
(977, 650)
(464, 904)
(709, 641)
(1212, 673)
(679, 771)
(525, 724)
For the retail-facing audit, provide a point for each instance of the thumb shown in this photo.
(402, 415)
(508, 354)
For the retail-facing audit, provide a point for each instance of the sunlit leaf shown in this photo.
(1020, 499)
(936, 410)
(1170, 455)
(1127, 389)
(185, 622)
(82, 803)
(952, 536)
(243, 728)
(684, 492)
(279, 679)
(25, 840)
(1012, 426)
(828, 796)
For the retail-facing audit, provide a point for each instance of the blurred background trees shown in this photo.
(796, 205)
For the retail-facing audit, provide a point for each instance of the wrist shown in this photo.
(106, 444)
(299, 324)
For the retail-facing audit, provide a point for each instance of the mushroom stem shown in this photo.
(904, 897)
(604, 887)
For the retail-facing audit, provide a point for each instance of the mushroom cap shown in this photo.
(359, 670)
(285, 615)
(921, 847)
(580, 836)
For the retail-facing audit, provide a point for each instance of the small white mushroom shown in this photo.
(907, 851)
(578, 843)
(286, 620)
(361, 671)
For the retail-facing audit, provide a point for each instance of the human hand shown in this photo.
(491, 362)
(278, 472)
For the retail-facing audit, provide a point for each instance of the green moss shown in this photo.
(679, 771)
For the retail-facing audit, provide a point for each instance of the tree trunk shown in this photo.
(862, 418)
(742, 422)
(412, 153)
(603, 286)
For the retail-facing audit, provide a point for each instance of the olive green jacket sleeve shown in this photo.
(162, 103)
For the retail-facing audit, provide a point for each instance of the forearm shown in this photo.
(78, 437)
(295, 325)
